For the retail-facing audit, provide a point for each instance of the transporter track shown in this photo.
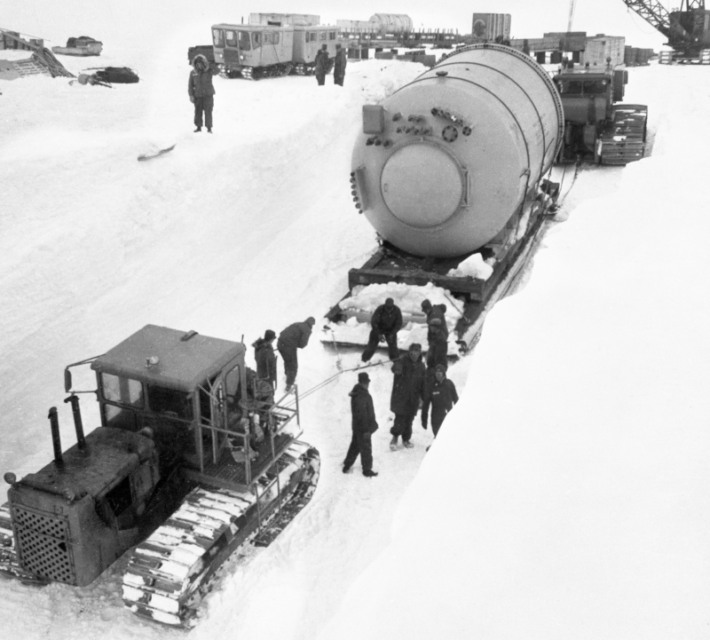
(624, 140)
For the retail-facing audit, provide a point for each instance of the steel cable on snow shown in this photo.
(327, 381)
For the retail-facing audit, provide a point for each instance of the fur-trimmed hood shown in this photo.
(201, 58)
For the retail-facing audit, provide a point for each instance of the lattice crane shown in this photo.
(680, 26)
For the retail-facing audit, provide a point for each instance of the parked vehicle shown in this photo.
(260, 51)
(596, 125)
(81, 46)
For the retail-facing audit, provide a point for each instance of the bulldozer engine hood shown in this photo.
(110, 454)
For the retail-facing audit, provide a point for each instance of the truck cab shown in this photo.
(588, 99)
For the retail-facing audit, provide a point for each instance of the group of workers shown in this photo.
(201, 89)
(290, 340)
(322, 62)
(415, 385)
(418, 384)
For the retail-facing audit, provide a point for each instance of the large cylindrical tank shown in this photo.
(446, 161)
(392, 22)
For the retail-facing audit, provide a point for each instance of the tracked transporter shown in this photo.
(596, 125)
(193, 459)
(450, 170)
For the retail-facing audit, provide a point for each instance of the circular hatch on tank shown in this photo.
(422, 185)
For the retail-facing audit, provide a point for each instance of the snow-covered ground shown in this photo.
(566, 494)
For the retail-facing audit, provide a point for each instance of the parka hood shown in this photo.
(201, 58)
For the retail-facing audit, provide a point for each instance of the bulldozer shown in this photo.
(597, 127)
(194, 458)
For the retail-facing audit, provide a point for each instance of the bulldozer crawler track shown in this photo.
(168, 573)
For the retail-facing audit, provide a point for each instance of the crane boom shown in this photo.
(654, 13)
(668, 24)
(571, 15)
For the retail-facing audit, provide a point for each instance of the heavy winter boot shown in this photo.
(197, 130)
(393, 444)
(369, 474)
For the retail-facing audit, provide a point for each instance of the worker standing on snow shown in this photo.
(407, 393)
(339, 65)
(364, 425)
(292, 338)
(266, 358)
(386, 321)
(437, 333)
(322, 60)
(440, 394)
(201, 90)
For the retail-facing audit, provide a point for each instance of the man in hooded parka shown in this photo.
(439, 394)
(201, 90)
(437, 333)
(407, 394)
(265, 358)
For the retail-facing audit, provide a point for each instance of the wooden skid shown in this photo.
(475, 294)
(385, 266)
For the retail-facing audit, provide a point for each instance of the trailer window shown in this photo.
(332, 35)
(310, 36)
(122, 390)
(271, 37)
(324, 35)
(218, 37)
(257, 39)
(232, 38)
(243, 41)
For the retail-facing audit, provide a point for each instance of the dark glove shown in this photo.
(424, 421)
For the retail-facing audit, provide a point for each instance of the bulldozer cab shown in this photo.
(184, 387)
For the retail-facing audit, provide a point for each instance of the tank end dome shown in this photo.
(422, 185)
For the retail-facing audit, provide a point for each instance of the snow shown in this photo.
(474, 266)
(565, 496)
